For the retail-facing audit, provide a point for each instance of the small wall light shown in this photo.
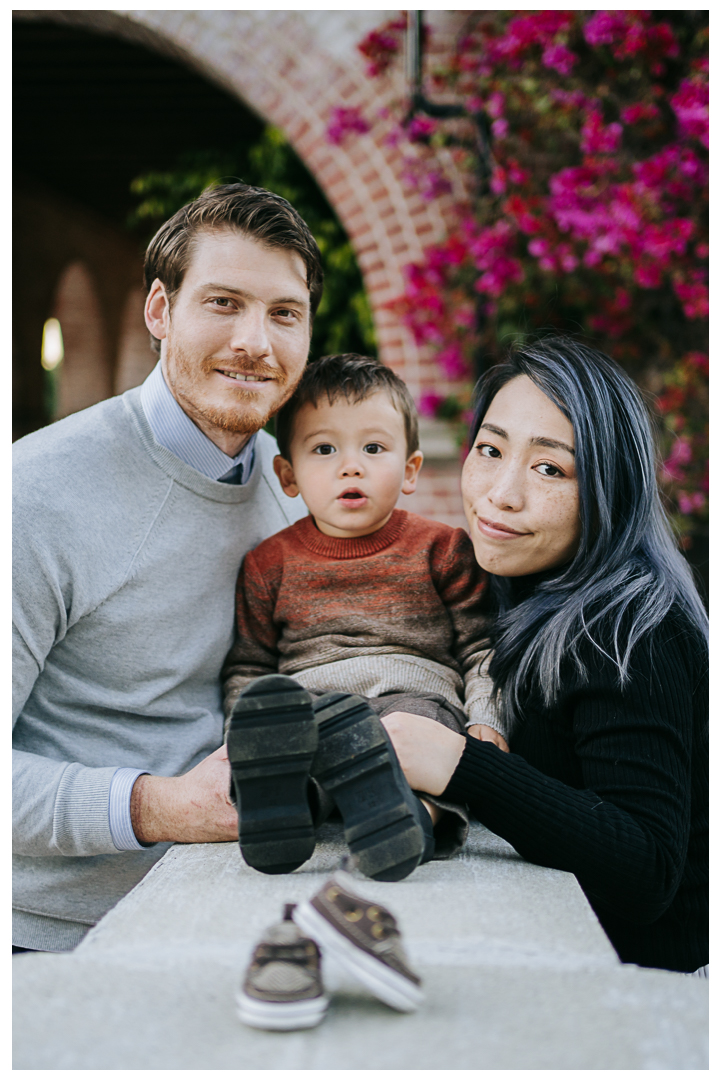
(53, 349)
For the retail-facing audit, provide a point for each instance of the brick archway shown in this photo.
(292, 68)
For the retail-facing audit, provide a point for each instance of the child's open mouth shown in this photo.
(352, 498)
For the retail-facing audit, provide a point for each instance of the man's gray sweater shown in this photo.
(125, 561)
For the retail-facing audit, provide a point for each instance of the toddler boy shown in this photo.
(359, 596)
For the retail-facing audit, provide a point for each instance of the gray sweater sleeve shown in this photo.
(59, 807)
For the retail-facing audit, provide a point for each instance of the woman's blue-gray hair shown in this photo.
(628, 572)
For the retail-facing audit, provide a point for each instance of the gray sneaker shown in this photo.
(283, 989)
(364, 938)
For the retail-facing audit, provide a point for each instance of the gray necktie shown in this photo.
(233, 476)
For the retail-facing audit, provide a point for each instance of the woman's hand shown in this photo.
(488, 734)
(427, 751)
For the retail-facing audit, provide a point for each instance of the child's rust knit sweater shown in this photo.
(400, 610)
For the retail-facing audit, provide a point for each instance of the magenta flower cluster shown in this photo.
(344, 122)
(598, 195)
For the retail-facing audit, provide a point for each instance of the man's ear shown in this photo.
(286, 476)
(412, 468)
(157, 310)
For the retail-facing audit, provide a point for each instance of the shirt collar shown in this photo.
(173, 429)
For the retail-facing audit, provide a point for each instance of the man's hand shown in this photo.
(488, 734)
(190, 809)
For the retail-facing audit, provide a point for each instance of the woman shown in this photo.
(600, 655)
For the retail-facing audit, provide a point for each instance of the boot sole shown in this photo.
(271, 742)
(353, 765)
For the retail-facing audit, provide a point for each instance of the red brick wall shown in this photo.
(438, 494)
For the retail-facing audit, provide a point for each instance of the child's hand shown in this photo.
(488, 734)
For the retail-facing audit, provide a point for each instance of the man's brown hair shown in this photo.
(354, 378)
(261, 215)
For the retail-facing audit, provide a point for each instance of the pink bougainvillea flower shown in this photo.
(599, 138)
(429, 403)
(516, 175)
(680, 456)
(567, 259)
(344, 122)
(662, 40)
(503, 272)
(495, 105)
(420, 128)
(538, 247)
(694, 298)
(634, 114)
(498, 180)
(691, 106)
(560, 58)
(524, 32)
(672, 399)
(571, 99)
(521, 212)
(380, 47)
(453, 362)
(434, 185)
(690, 503)
(464, 316)
(648, 275)
(631, 33)
(605, 27)
(699, 360)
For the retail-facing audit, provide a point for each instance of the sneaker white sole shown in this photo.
(387, 985)
(282, 1015)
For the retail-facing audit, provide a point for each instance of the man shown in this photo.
(131, 519)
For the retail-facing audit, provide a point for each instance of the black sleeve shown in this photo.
(624, 830)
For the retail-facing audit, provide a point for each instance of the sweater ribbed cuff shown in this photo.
(80, 821)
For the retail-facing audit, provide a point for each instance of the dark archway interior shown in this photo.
(91, 112)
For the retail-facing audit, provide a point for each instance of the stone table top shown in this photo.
(517, 972)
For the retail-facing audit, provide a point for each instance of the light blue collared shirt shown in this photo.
(174, 430)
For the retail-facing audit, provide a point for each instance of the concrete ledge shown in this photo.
(179, 1013)
(517, 971)
(485, 901)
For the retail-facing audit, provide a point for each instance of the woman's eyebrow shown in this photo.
(535, 440)
(551, 444)
(495, 430)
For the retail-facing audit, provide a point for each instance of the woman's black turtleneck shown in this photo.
(612, 785)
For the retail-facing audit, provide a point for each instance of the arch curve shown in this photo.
(292, 68)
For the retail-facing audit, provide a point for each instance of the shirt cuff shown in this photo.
(119, 819)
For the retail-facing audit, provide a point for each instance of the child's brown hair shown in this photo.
(355, 378)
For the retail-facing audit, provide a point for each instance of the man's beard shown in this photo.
(247, 412)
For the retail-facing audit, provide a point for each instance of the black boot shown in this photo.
(272, 739)
(356, 764)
